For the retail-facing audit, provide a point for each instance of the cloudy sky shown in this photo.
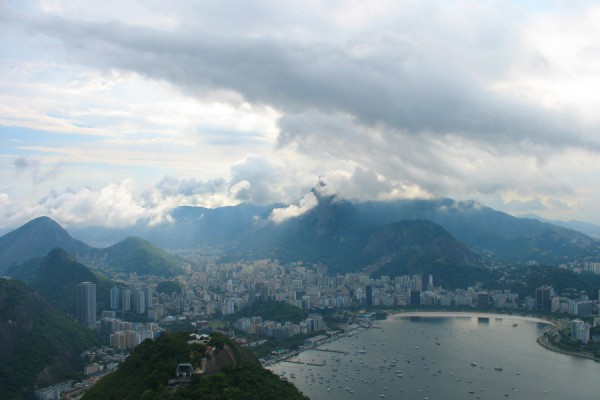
(118, 111)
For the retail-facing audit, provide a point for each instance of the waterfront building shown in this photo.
(415, 297)
(483, 300)
(580, 331)
(369, 294)
(543, 296)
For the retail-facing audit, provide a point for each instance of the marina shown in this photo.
(480, 359)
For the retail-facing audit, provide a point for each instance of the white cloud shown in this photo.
(239, 101)
(4, 200)
(307, 203)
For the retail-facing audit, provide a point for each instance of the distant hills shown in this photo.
(55, 277)
(336, 230)
(418, 247)
(39, 236)
(35, 239)
(342, 235)
(580, 226)
(231, 373)
(138, 255)
(39, 344)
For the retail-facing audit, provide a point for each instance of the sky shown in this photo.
(116, 112)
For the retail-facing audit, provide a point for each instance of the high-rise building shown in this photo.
(139, 301)
(262, 291)
(415, 297)
(149, 295)
(580, 331)
(125, 300)
(430, 286)
(115, 298)
(543, 297)
(483, 300)
(369, 294)
(86, 304)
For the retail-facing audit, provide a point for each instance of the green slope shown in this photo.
(39, 345)
(55, 277)
(422, 247)
(137, 255)
(235, 374)
(35, 239)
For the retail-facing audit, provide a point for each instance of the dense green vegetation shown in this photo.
(422, 247)
(245, 383)
(168, 287)
(55, 277)
(137, 255)
(145, 374)
(274, 311)
(560, 279)
(566, 343)
(36, 338)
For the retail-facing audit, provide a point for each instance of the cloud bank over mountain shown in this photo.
(132, 108)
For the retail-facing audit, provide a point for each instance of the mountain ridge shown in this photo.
(38, 237)
(35, 239)
(335, 231)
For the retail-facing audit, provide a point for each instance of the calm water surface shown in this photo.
(433, 357)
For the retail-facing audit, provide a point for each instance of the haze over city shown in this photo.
(117, 112)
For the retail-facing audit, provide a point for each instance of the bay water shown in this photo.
(443, 356)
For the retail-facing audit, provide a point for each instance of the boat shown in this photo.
(473, 364)
(498, 368)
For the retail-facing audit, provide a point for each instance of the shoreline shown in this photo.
(545, 343)
(542, 340)
(452, 314)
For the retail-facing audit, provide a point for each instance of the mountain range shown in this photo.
(337, 227)
(39, 236)
(35, 239)
(383, 238)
